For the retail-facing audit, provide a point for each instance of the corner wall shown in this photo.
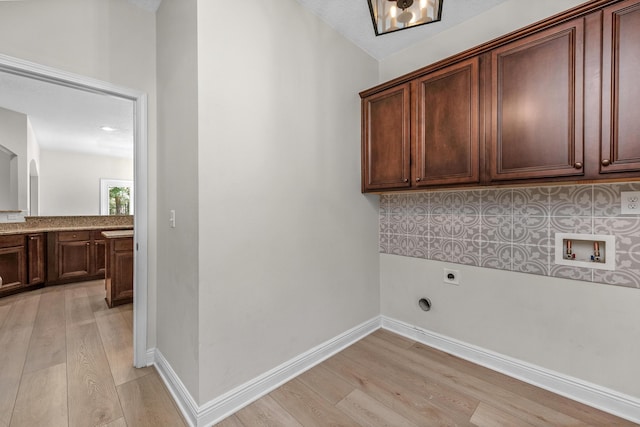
(288, 250)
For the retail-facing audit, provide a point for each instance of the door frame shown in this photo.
(140, 136)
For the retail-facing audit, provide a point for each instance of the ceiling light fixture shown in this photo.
(108, 129)
(389, 16)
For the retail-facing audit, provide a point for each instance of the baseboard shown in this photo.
(150, 357)
(186, 403)
(218, 409)
(593, 395)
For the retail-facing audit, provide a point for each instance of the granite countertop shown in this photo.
(76, 223)
(118, 234)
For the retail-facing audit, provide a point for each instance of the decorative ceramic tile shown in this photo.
(471, 203)
(418, 247)
(497, 202)
(627, 272)
(626, 230)
(438, 249)
(570, 225)
(606, 198)
(383, 224)
(531, 259)
(408, 224)
(439, 203)
(569, 272)
(496, 229)
(464, 252)
(531, 230)
(384, 204)
(440, 226)
(465, 227)
(531, 202)
(396, 223)
(571, 200)
(383, 243)
(496, 255)
(419, 205)
(395, 244)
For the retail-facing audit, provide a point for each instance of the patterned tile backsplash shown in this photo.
(512, 229)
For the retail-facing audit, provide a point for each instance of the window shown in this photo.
(116, 197)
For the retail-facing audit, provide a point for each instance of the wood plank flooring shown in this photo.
(388, 380)
(66, 360)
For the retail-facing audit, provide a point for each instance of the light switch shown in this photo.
(172, 218)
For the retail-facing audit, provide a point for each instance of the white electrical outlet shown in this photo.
(630, 202)
(452, 277)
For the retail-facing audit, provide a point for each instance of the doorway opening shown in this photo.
(140, 160)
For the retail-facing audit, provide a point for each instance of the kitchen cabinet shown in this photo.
(36, 258)
(556, 101)
(119, 267)
(447, 116)
(424, 132)
(75, 256)
(13, 263)
(537, 105)
(620, 151)
(386, 133)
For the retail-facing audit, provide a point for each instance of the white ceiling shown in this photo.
(352, 19)
(69, 119)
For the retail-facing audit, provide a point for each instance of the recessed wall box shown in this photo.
(586, 250)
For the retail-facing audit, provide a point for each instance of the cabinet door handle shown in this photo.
(88, 243)
(606, 162)
(417, 179)
(577, 165)
(406, 180)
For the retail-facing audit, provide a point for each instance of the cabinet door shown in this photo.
(447, 126)
(73, 259)
(620, 91)
(386, 139)
(537, 105)
(99, 254)
(12, 268)
(35, 257)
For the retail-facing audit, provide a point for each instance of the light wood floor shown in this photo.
(66, 360)
(387, 380)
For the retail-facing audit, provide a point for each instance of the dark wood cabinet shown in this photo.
(386, 132)
(423, 133)
(76, 255)
(13, 264)
(620, 89)
(119, 268)
(556, 101)
(36, 244)
(447, 140)
(537, 105)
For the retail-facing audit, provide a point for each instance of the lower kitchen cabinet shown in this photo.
(75, 256)
(119, 267)
(36, 258)
(13, 263)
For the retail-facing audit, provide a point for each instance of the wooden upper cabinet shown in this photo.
(537, 105)
(620, 89)
(386, 147)
(447, 126)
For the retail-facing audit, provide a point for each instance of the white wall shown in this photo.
(586, 330)
(6, 202)
(70, 181)
(33, 155)
(288, 246)
(589, 331)
(113, 41)
(502, 19)
(13, 136)
(178, 180)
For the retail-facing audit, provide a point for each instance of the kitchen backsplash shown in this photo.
(512, 229)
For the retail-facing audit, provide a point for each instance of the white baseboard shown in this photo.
(593, 395)
(221, 407)
(217, 409)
